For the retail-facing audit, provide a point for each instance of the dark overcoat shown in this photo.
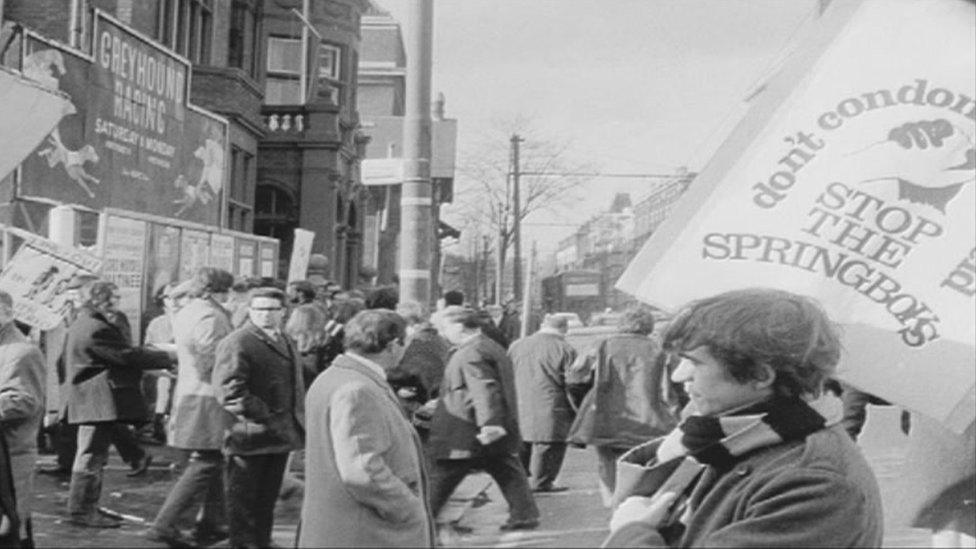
(817, 492)
(541, 362)
(104, 372)
(631, 400)
(478, 389)
(259, 383)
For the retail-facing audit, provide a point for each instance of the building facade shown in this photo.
(382, 83)
(309, 159)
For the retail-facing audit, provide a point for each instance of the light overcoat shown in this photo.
(365, 483)
(104, 372)
(22, 382)
(197, 420)
(541, 362)
(478, 389)
(817, 492)
(259, 382)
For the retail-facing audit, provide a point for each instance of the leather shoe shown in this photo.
(209, 536)
(94, 521)
(529, 524)
(56, 472)
(172, 538)
(551, 489)
(140, 467)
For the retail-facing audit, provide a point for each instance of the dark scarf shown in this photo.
(719, 441)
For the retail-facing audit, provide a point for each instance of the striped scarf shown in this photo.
(718, 441)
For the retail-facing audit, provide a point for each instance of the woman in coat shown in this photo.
(630, 400)
(104, 382)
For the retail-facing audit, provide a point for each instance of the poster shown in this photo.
(247, 251)
(37, 277)
(194, 252)
(131, 141)
(123, 246)
(301, 251)
(269, 264)
(222, 252)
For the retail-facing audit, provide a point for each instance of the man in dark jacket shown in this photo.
(104, 383)
(258, 380)
(475, 424)
(545, 414)
(776, 466)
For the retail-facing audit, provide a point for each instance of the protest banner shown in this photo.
(301, 251)
(851, 179)
(37, 277)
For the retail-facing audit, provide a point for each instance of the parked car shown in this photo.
(573, 319)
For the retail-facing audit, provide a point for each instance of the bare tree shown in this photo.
(483, 196)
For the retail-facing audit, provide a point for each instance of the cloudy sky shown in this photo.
(637, 86)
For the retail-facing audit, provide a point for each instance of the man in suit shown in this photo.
(104, 387)
(365, 484)
(545, 414)
(258, 380)
(475, 424)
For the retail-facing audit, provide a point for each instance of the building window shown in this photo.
(186, 27)
(328, 71)
(239, 209)
(283, 84)
(242, 36)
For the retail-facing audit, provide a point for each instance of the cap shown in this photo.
(318, 280)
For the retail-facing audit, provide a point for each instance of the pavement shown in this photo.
(575, 518)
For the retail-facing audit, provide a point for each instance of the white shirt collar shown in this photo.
(376, 368)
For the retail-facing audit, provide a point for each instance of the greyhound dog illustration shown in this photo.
(45, 66)
(192, 195)
(73, 161)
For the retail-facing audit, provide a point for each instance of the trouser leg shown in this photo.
(547, 460)
(506, 470)
(202, 469)
(525, 456)
(251, 484)
(86, 473)
(445, 475)
(607, 471)
(125, 442)
(213, 512)
(66, 444)
(273, 473)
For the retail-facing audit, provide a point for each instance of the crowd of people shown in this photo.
(711, 427)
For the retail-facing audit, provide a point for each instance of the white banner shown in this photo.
(37, 277)
(301, 251)
(852, 180)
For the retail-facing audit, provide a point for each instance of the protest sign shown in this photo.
(851, 179)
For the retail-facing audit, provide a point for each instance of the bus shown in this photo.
(581, 292)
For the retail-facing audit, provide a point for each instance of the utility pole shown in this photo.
(484, 265)
(516, 221)
(415, 205)
(500, 263)
(527, 298)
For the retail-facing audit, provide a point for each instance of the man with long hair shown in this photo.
(776, 466)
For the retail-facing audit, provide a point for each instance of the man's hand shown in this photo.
(490, 433)
(650, 511)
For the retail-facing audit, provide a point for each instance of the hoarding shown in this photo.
(132, 140)
(123, 248)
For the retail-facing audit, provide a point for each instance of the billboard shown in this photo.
(132, 140)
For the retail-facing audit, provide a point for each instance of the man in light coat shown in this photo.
(545, 414)
(197, 420)
(365, 482)
(258, 380)
(22, 382)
